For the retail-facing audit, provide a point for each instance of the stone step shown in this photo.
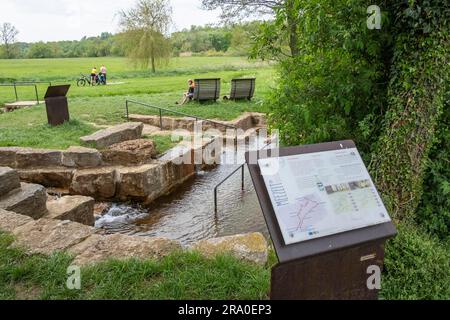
(124, 132)
(128, 153)
(9, 221)
(150, 130)
(74, 208)
(9, 180)
(29, 200)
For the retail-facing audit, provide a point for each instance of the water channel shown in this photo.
(187, 215)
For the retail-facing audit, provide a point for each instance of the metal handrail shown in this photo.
(33, 82)
(229, 176)
(15, 85)
(242, 166)
(127, 102)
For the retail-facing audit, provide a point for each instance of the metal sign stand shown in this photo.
(332, 267)
(56, 105)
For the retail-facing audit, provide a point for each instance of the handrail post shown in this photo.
(243, 177)
(160, 119)
(15, 91)
(215, 200)
(37, 95)
(128, 114)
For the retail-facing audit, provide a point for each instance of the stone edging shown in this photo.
(89, 246)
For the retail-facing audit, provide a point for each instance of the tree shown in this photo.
(288, 10)
(8, 34)
(145, 29)
(40, 50)
(416, 94)
(383, 88)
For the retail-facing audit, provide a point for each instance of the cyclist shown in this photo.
(94, 77)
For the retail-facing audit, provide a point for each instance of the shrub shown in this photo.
(434, 211)
(416, 266)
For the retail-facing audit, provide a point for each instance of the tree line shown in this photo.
(229, 39)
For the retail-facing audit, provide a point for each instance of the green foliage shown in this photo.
(331, 90)
(416, 266)
(434, 210)
(101, 46)
(418, 80)
(145, 28)
(233, 40)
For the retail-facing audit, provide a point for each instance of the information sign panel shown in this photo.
(321, 193)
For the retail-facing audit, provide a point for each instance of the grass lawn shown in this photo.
(417, 267)
(91, 106)
(179, 276)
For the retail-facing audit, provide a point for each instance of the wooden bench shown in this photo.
(242, 89)
(207, 89)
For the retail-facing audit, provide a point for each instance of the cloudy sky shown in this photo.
(51, 20)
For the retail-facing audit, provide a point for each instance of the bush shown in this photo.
(434, 211)
(416, 266)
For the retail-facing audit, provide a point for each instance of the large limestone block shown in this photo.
(250, 247)
(47, 236)
(74, 208)
(48, 177)
(38, 158)
(29, 200)
(141, 182)
(100, 248)
(133, 152)
(116, 134)
(80, 157)
(8, 156)
(9, 221)
(97, 183)
(9, 180)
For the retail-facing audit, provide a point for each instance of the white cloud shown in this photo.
(52, 20)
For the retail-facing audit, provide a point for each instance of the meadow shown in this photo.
(91, 107)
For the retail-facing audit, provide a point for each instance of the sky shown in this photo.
(53, 20)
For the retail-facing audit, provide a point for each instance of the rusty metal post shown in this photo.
(37, 94)
(15, 91)
(243, 177)
(160, 119)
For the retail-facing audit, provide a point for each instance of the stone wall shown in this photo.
(244, 122)
(89, 245)
(142, 183)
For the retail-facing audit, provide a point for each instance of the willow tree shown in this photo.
(145, 30)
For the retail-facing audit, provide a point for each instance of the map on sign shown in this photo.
(320, 194)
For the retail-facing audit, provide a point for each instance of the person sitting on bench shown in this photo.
(189, 94)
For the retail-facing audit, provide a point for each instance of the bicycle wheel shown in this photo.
(81, 83)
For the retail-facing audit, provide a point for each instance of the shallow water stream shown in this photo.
(188, 214)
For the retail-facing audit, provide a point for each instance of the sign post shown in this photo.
(56, 105)
(326, 220)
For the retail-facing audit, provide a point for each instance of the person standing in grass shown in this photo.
(94, 76)
(103, 74)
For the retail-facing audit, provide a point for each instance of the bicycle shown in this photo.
(87, 80)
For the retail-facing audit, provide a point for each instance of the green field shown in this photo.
(105, 105)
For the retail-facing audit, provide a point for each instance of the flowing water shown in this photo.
(188, 214)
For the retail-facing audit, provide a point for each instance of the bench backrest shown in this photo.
(242, 88)
(207, 89)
